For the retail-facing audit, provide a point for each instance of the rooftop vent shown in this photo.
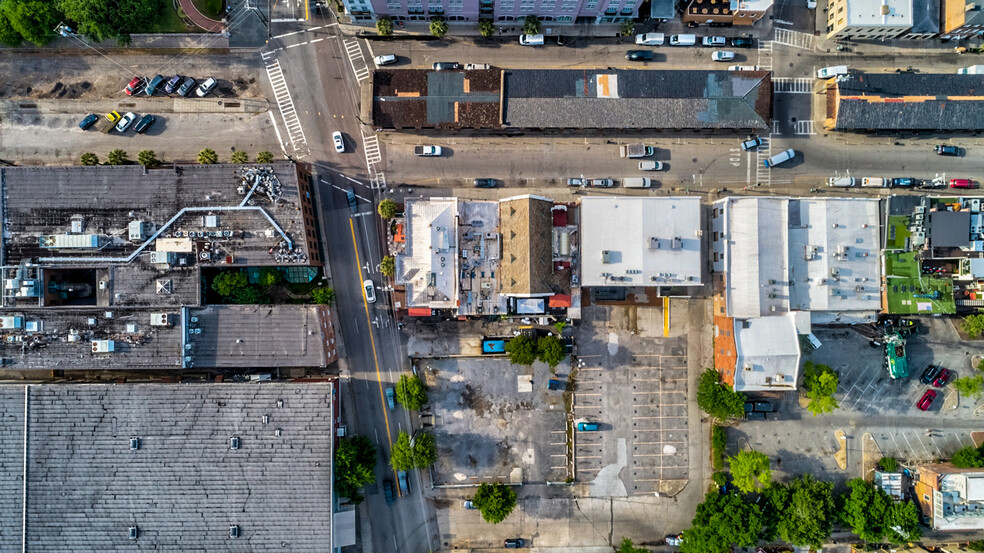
(234, 531)
(134, 444)
(885, 9)
(234, 442)
(606, 256)
(134, 532)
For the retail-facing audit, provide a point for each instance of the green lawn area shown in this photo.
(210, 8)
(901, 264)
(170, 22)
(898, 232)
(901, 294)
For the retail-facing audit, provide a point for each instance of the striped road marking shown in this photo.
(286, 105)
(793, 38)
(356, 60)
(792, 85)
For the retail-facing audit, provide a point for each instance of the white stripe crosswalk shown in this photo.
(765, 55)
(792, 85)
(793, 38)
(358, 62)
(804, 128)
(371, 146)
(763, 174)
(286, 106)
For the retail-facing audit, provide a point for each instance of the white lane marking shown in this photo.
(276, 129)
(762, 173)
(370, 144)
(805, 128)
(282, 95)
(354, 53)
(795, 85)
(793, 38)
(316, 40)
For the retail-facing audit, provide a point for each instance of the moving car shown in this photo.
(125, 121)
(370, 289)
(350, 196)
(384, 59)
(587, 427)
(722, 55)
(742, 42)
(206, 87)
(649, 39)
(445, 65)
(484, 183)
(926, 400)
(531, 40)
(145, 122)
(134, 86)
(713, 41)
(152, 85)
(173, 84)
(929, 374)
(961, 183)
(942, 379)
(751, 144)
(946, 150)
(781, 157)
(650, 165)
(390, 398)
(186, 86)
(88, 121)
(336, 138)
(389, 491)
(639, 55)
(515, 543)
(401, 476)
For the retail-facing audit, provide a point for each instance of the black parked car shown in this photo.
(515, 543)
(929, 374)
(484, 183)
(742, 42)
(639, 55)
(145, 122)
(88, 121)
(945, 150)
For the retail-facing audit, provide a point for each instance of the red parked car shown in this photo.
(961, 183)
(133, 86)
(926, 400)
(942, 379)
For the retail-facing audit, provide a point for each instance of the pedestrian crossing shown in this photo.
(286, 105)
(792, 85)
(804, 128)
(371, 146)
(793, 38)
(765, 55)
(358, 62)
(763, 174)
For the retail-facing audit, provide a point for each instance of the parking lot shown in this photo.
(494, 421)
(634, 385)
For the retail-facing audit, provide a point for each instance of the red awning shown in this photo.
(419, 312)
(560, 300)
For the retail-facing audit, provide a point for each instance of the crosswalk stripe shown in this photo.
(762, 173)
(793, 38)
(286, 106)
(792, 85)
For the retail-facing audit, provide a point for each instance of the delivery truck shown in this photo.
(636, 150)
(636, 182)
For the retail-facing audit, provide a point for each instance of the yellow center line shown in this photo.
(307, 10)
(372, 341)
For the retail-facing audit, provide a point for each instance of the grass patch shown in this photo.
(936, 296)
(898, 232)
(902, 265)
(719, 440)
(210, 8)
(169, 21)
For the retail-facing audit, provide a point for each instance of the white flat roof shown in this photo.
(428, 266)
(879, 13)
(649, 241)
(768, 353)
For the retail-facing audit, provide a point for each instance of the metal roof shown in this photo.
(908, 101)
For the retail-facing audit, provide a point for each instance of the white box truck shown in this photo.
(830, 72)
(972, 70)
(636, 182)
(869, 182)
(636, 150)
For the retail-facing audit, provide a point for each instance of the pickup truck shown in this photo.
(427, 150)
(636, 150)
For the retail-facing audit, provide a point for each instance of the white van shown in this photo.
(781, 157)
(636, 182)
(831, 72)
(531, 40)
(683, 40)
(841, 182)
(868, 182)
(385, 59)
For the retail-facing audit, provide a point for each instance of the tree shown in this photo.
(973, 325)
(532, 25)
(494, 501)
(102, 20)
(864, 509)
(903, 523)
(550, 350)
(722, 521)
(384, 26)
(8, 35)
(323, 296)
(421, 455)
(628, 28)
(269, 277)
(117, 157)
(410, 392)
(148, 159)
(208, 156)
(227, 283)
(264, 157)
(486, 27)
(34, 20)
(976, 545)
(889, 464)
(749, 470)
(438, 27)
(968, 457)
(970, 385)
(388, 209)
(521, 350)
(239, 156)
(716, 399)
(388, 266)
(89, 158)
(355, 466)
(807, 516)
(250, 295)
(821, 384)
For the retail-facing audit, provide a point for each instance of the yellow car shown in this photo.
(113, 116)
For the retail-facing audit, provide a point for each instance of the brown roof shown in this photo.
(527, 257)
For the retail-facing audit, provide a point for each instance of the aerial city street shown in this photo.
(569, 276)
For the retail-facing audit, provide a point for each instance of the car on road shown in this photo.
(929, 374)
(427, 151)
(484, 183)
(713, 41)
(350, 196)
(145, 122)
(134, 86)
(743, 42)
(831, 72)
(650, 165)
(601, 183)
(587, 427)
(153, 85)
(781, 157)
(639, 55)
(961, 183)
(384, 59)
(722, 55)
(904, 182)
(469, 505)
(471, 66)
(390, 398)
(926, 400)
(336, 139)
(173, 84)
(515, 543)
(649, 39)
(576, 182)
(401, 477)
(88, 121)
(125, 122)
(531, 40)
(942, 378)
(206, 87)
(445, 65)
(388, 491)
(370, 290)
(946, 150)
(188, 84)
(840, 182)
(751, 143)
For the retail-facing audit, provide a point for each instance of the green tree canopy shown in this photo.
(355, 466)
(532, 25)
(250, 295)
(722, 521)
(889, 464)
(117, 157)
(750, 470)
(968, 457)
(101, 20)
(148, 159)
(388, 266)
(239, 156)
(976, 545)
(972, 386)
(821, 384)
(550, 350)
(628, 28)
(89, 158)
(627, 547)
(208, 157)
(264, 157)
(227, 283)
(486, 27)
(494, 501)
(865, 509)
(716, 399)
(323, 295)
(420, 456)
(808, 513)
(384, 26)
(410, 392)
(270, 276)
(521, 350)
(973, 325)
(8, 35)
(34, 20)
(438, 27)
(388, 209)
(719, 441)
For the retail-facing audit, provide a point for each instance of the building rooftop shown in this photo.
(906, 101)
(431, 235)
(768, 352)
(184, 485)
(641, 241)
(879, 13)
(480, 253)
(783, 254)
(423, 98)
(949, 229)
(925, 17)
(527, 254)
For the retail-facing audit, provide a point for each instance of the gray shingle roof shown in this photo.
(917, 101)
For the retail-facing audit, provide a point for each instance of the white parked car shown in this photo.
(650, 39)
(713, 41)
(385, 59)
(811, 4)
(650, 165)
(125, 122)
(722, 55)
(370, 291)
(336, 137)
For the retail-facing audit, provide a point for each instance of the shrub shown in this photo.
(208, 157)
(323, 296)
(532, 25)
(270, 276)
(388, 266)
(384, 26)
(628, 28)
(486, 27)
(438, 27)
(720, 479)
(889, 464)
(973, 325)
(264, 157)
(719, 441)
(117, 157)
(89, 159)
(388, 209)
(148, 159)
(240, 157)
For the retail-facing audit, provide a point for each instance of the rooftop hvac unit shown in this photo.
(653, 243)
(606, 256)
(780, 378)
(134, 444)
(136, 231)
(677, 243)
(210, 221)
(91, 321)
(160, 319)
(8, 323)
(78, 224)
(131, 328)
(103, 346)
